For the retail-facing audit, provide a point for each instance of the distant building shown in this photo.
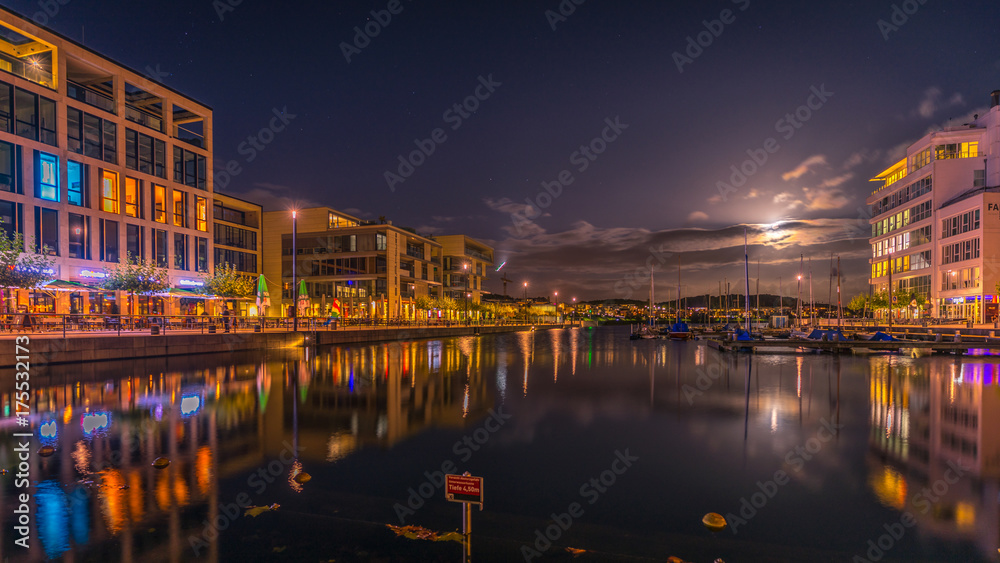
(376, 270)
(237, 233)
(467, 263)
(935, 220)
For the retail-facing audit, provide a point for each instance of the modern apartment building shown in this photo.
(935, 220)
(98, 161)
(237, 233)
(376, 270)
(466, 264)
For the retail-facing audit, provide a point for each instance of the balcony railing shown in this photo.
(143, 118)
(90, 97)
(189, 136)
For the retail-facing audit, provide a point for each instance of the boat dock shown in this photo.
(914, 347)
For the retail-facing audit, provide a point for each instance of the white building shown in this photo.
(937, 216)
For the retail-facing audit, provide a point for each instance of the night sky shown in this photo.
(681, 121)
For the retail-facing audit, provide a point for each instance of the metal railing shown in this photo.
(43, 323)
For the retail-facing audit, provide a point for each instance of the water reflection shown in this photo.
(100, 495)
(934, 448)
(734, 419)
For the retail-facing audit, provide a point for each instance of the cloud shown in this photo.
(593, 262)
(753, 193)
(858, 158)
(836, 181)
(717, 198)
(825, 198)
(933, 102)
(697, 216)
(804, 167)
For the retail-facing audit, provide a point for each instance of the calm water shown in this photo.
(826, 452)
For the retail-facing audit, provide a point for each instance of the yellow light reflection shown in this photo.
(203, 469)
(112, 496)
(889, 487)
(965, 515)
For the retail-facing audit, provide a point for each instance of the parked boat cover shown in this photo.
(882, 337)
(831, 335)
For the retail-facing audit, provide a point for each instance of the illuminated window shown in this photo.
(109, 192)
(201, 214)
(75, 193)
(47, 177)
(159, 204)
(132, 196)
(180, 209)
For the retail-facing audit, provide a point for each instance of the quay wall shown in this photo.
(46, 349)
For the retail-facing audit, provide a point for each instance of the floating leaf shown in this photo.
(46, 451)
(576, 552)
(714, 521)
(256, 511)
(161, 463)
(303, 478)
(451, 536)
(280, 549)
(421, 533)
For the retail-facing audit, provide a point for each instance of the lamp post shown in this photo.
(556, 301)
(295, 287)
(526, 310)
(891, 264)
(798, 300)
(465, 268)
(574, 309)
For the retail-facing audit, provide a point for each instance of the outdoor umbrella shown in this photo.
(304, 302)
(335, 311)
(263, 297)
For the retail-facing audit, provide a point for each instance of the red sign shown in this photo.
(464, 488)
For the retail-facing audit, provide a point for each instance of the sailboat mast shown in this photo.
(840, 311)
(651, 297)
(746, 271)
(812, 304)
(758, 285)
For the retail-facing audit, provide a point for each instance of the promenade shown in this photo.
(51, 347)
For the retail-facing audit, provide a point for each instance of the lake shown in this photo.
(584, 439)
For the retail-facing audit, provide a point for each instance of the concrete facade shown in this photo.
(935, 221)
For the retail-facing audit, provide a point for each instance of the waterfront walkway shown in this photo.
(52, 348)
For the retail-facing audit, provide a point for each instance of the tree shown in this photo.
(136, 277)
(229, 282)
(22, 269)
(859, 304)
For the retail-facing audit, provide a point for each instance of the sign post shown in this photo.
(467, 490)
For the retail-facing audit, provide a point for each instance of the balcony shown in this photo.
(144, 118)
(90, 97)
(478, 255)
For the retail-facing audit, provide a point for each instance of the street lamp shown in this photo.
(295, 287)
(798, 319)
(465, 267)
(574, 309)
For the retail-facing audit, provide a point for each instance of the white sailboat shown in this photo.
(647, 331)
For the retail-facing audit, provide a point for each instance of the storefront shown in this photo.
(969, 307)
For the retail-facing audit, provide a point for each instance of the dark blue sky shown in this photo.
(655, 184)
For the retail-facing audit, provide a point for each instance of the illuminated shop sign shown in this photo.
(93, 275)
(191, 283)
